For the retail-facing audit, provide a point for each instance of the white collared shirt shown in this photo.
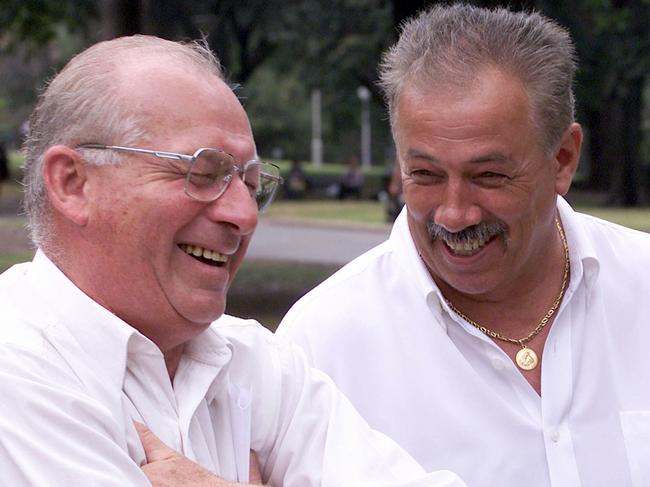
(73, 376)
(453, 398)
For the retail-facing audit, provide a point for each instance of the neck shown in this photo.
(515, 309)
(172, 359)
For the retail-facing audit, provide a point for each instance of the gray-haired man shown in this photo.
(497, 332)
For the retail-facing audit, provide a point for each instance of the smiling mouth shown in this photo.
(469, 241)
(206, 256)
(466, 247)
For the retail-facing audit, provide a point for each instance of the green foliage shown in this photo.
(279, 50)
(338, 44)
(279, 110)
(36, 22)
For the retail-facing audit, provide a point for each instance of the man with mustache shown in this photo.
(143, 188)
(497, 331)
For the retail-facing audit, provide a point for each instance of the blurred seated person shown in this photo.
(4, 166)
(395, 200)
(352, 181)
(296, 183)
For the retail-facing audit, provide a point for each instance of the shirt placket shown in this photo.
(149, 391)
(557, 387)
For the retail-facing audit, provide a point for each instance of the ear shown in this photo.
(567, 157)
(65, 177)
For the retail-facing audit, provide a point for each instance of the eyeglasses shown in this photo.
(210, 171)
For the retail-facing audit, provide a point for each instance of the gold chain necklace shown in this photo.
(526, 358)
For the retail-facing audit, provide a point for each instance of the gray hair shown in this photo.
(450, 44)
(83, 104)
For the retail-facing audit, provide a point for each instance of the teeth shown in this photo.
(197, 251)
(466, 247)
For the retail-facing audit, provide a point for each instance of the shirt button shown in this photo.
(498, 364)
(555, 436)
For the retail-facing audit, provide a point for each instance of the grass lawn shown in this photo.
(11, 258)
(266, 290)
(372, 213)
(329, 211)
(637, 218)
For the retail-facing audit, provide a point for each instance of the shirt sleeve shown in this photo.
(321, 440)
(52, 434)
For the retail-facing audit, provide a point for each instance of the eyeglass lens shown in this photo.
(212, 171)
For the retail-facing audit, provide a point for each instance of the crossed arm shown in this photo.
(167, 468)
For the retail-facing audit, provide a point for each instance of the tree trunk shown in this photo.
(601, 149)
(120, 18)
(631, 188)
(627, 187)
(402, 10)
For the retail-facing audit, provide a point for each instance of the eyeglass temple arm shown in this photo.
(164, 155)
(278, 179)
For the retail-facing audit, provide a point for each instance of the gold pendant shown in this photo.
(526, 359)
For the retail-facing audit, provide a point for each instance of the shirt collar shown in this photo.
(403, 245)
(582, 252)
(101, 334)
(107, 339)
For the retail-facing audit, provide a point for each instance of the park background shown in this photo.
(306, 72)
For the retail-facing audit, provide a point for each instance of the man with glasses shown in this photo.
(142, 190)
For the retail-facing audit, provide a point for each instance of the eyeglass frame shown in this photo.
(190, 159)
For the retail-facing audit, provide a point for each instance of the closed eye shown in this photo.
(489, 178)
(177, 167)
(424, 176)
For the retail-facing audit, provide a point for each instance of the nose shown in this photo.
(235, 207)
(457, 209)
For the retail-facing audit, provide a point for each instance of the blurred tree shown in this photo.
(278, 106)
(243, 34)
(334, 46)
(34, 23)
(279, 50)
(29, 55)
(613, 41)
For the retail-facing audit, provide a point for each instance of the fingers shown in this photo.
(154, 449)
(254, 476)
(166, 467)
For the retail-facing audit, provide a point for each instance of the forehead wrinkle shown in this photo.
(488, 157)
(417, 154)
(491, 157)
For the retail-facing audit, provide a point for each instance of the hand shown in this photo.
(168, 468)
(254, 475)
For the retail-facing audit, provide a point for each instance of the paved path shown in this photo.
(311, 243)
(273, 240)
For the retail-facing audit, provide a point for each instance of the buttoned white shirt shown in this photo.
(449, 395)
(73, 377)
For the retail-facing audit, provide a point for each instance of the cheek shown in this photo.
(420, 201)
(141, 229)
(238, 258)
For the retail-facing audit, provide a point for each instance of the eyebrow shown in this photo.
(489, 157)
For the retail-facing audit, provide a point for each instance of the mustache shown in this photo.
(481, 232)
